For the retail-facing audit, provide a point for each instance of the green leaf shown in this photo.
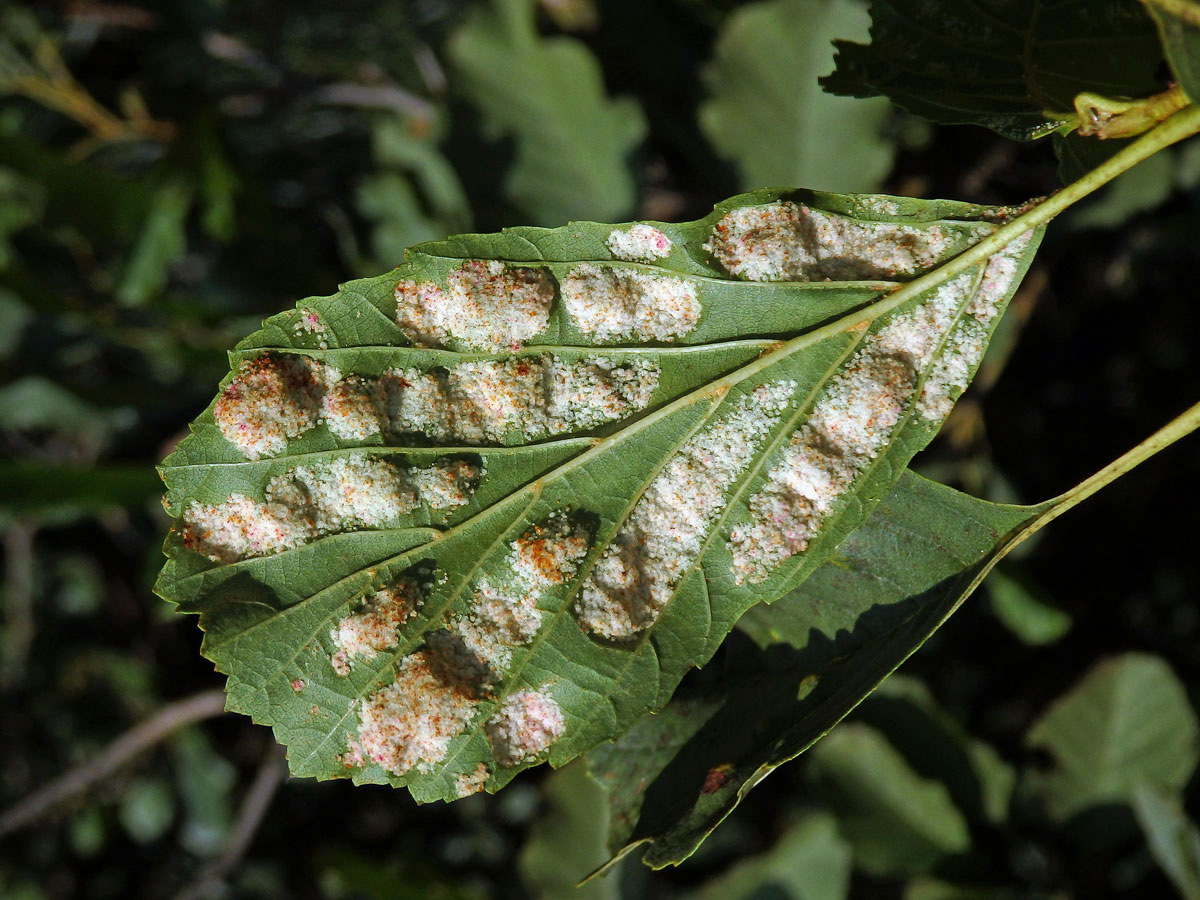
(1178, 24)
(1172, 837)
(434, 566)
(809, 862)
(567, 840)
(1126, 723)
(1014, 66)
(572, 141)
(21, 202)
(821, 650)
(897, 822)
(937, 747)
(767, 113)
(163, 242)
(1033, 620)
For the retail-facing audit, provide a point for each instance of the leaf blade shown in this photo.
(386, 486)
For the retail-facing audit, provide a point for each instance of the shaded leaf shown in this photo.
(1014, 66)
(823, 648)
(572, 142)
(1178, 24)
(1172, 837)
(435, 566)
(1127, 722)
(767, 113)
(897, 822)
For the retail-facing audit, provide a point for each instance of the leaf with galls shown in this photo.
(486, 510)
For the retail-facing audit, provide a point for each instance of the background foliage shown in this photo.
(171, 172)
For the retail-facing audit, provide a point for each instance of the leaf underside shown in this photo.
(486, 510)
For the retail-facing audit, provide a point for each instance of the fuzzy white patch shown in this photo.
(272, 398)
(607, 302)
(410, 723)
(491, 400)
(525, 726)
(347, 494)
(633, 581)
(485, 306)
(374, 628)
(310, 322)
(855, 416)
(307, 502)
(240, 528)
(349, 410)
(951, 372)
(471, 782)
(446, 485)
(639, 243)
(504, 612)
(785, 241)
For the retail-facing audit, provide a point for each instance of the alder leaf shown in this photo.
(1014, 66)
(487, 509)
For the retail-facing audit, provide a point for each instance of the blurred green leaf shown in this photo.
(937, 747)
(21, 203)
(573, 144)
(351, 876)
(1141, 189)
(399, 221)
(1173, 838)
(147, 809)
(401, 144)
(810, 861)
(1178, 24)
(568, 840)
(897, 822)
(1014, 66)
(219, 184)
(14, 316)
(1127, 722)
(205, 781)
(58, 494)
(414, 196)
(162, 243)
(1033, 620)
(87, 832)
(767, 113)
